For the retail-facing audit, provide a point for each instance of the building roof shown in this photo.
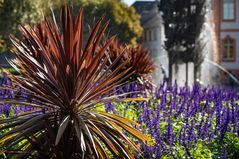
(145, 9)
(143, 6)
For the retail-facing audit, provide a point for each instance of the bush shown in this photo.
(65, 83)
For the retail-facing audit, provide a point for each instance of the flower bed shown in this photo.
(196, 122)
(184, 122)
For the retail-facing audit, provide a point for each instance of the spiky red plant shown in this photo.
(136, 58)
(66, 84)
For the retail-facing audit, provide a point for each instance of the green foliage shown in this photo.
(12, 71)
(230, 144)
(14, 12)
(201, 151)
(130, 113)
(124, 21)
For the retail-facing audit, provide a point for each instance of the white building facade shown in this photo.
(153, 36)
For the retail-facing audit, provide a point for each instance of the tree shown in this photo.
(124, 21)
(183, 22)
(14, 12)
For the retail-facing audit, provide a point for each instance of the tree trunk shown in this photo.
(196, 72)
(170, 69)
(186, 72)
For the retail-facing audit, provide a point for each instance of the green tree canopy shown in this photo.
(124, 21)
(14, 12)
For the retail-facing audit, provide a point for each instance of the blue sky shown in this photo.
(129, 2)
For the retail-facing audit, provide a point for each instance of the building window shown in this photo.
(155, 34)
(229, 49)
(229, 9)
(150, 35)
(145, 36)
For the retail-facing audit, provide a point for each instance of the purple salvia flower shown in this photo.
(224, 154)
